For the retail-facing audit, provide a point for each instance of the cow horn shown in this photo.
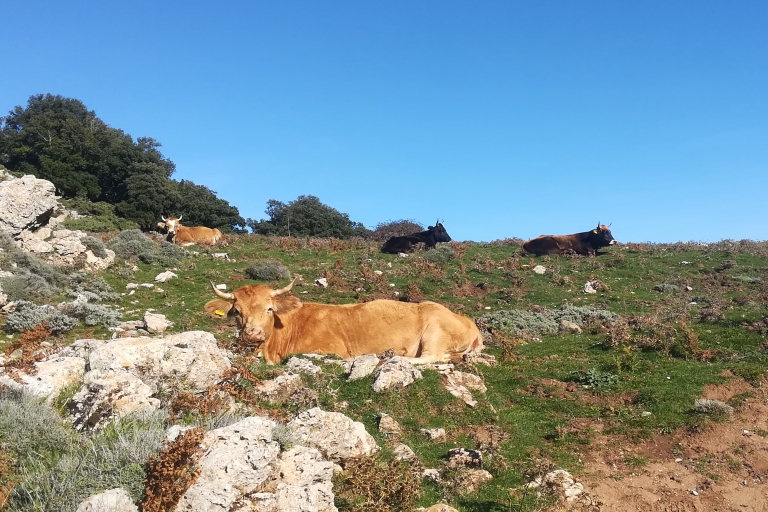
(162, 218)
(285, 289)
(228, 296)
(180, 216)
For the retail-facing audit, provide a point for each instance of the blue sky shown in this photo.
(505, 119)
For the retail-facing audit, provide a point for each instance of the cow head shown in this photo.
(256, 309)
(439, 232)
(601, 236)
(172, 224)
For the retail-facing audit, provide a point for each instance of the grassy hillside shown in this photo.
(684, 316)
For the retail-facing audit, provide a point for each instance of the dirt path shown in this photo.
(724, 468)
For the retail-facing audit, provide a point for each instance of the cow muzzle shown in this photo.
(612, 242)
(253, 334)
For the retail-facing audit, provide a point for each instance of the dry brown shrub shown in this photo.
(29, 342)
(8, 479)
(210, 404)
(413, 293)
(172, 472)
(370, 484)
(372, 281)
(427, 269)
(760, 327)
(459, 249)
(338, 264)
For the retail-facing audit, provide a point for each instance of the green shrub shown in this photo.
(132, 244)
(516, 322)
(33, 277)
(91, 314)
(59, 468)
(97, 217)
(440, 255)
(594, 378)
(267, 270)
(94, 288)
(25, 286)
(28, 315)
(95, 245)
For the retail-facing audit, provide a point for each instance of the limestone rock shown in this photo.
(192, 358)
(108, 394)
(539, 269)
(333, 433)
(459, 385)
(155, 323)
(433, 434)
(397, 372)
(439, 507)
(113, 500)
(362, 366)
(590, 287)
(560, 482)
(300, 365)
(26, 203)
(321, 282)
(279, 388)
(404, 452)
(388, 425)
(164, 276)
(569, 327)
(463, 458)
(470, 480)
(52, 375)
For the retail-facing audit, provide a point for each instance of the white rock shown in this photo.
(396, 372)
(378, 272)
(539, 269)
(334, 434)
(108, 394)
(25, 204)
(362, 366)
(402, 255)
(459, 385)
(278, 389)
(388, 425)
(132, 286)
(431, 474)
(404, 452)
(220, 255)
(321, 282)
(164, 276)
(113, 500)
(301, 365)
(590, 287)
(221, 286)
(155, 323)
(147, 285)
(52, 375)
(433, 434)
(569, 327)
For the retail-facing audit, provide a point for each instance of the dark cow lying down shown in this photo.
(282, 325)
(430, 238)
(581, 243)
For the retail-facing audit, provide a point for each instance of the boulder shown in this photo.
(155, 323)
(433, 434)
(388, 425)
(243, 468)
(559, 482)
(363, 366)
(110, 394)
(539, 269)
(459, 385)
(113, 500)
(404, 452)
(301, 365)
(51, 376)
(334, 434)
(26, 203)
(278, 389)
(397, 372)
(569, 327)
(164, 276)
(470, 480)
(463, 458)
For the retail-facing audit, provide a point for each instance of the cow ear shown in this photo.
(286, 304)
(218, 308)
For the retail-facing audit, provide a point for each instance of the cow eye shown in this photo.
(270, 310)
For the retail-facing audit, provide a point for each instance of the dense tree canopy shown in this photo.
(60, 140)
(306, 216)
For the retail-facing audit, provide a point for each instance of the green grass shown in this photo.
(614, 385)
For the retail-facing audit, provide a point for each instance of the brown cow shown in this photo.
(184, 236)
(422, 333)
(581, 243)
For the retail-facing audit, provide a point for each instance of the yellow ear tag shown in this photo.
(594, 231)
(220, 312)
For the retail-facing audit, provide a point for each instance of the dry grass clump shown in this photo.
(173, 471)
(8, 479)
(385, 230)
(370, 484)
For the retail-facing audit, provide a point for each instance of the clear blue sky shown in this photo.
(505, 119)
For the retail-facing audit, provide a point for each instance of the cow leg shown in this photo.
(428, 359)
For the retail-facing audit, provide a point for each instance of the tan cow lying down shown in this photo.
(185, 236)
(423, 333)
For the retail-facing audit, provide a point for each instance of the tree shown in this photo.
(60, 140)
(306, 216)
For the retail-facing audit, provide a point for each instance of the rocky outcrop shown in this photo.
(243, 468)
(397, 372)
(25, 204)
(337, 436)
(113, 500)
(48, 378)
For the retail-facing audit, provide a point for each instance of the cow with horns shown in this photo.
(581, 243)
(184, 236)
(430, 238)
(281, 325)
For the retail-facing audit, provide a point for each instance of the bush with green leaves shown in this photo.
(306, 216)
(93, 288)
(517, 322)
(32, 277)
(60, 468)
(132, 244)
(594, 378)
(28, 315)
(90, 314)
(440, 255)
(94, 245)
(98, 217)
(267, 270)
